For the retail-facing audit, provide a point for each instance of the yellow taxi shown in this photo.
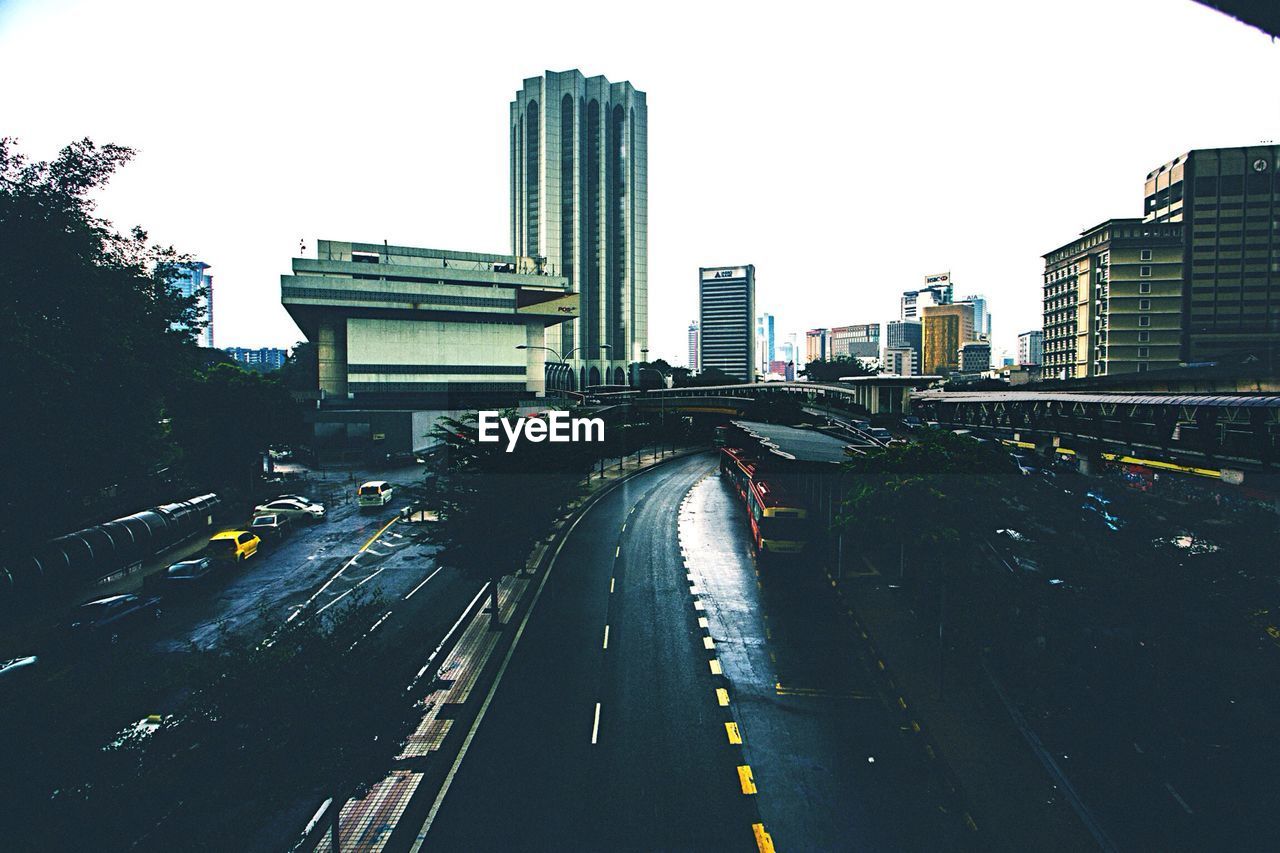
(233, 545)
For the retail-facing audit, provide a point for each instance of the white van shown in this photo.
(374, 493)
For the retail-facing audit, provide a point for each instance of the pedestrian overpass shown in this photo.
(1212, 430)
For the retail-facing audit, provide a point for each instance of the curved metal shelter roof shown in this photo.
(1267, 401)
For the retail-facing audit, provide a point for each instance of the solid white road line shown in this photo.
(595, 727)
(465, 613)
(421, 585)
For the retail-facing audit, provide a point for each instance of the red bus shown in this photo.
(779, 525)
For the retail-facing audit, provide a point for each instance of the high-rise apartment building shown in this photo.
(858, 341)
(263, 358)
(694, 343)
(1113, 300)
(190, 279)
(1031, 347)
(943, 329)
(727, 297)
(815, 345)
(579, 200)
(1228, 200)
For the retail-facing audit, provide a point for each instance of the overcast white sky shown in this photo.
(845, 153)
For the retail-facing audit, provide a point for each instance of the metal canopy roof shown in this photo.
(1220, 400)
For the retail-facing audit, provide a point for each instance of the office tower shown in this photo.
(981, 316)
(1228, 201)
(943, 329)
(727, 296)
(579, 200)
(936, 291)
(815, 345)
(975, 356)
(1113, 300)
(1031, 347)
(190, 279)
(858, 341)
(693, 346)
(905, 333)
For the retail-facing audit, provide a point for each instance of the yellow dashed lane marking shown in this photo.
(606, 636)
(745, 780)
(763, 840)
(731, 729)
(611, 586)
(722, 696)
(715, 667)
(708, 643)
(617, 551)
(702, 622)
(697, 605)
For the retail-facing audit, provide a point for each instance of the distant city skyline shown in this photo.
(252, 184)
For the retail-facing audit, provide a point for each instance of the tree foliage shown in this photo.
(935, 498)
(100, 350)
(829, 370)
(224, 417)
(493, 505)
(87, 316)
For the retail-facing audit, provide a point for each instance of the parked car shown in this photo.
(233, 546)
(292, 508)
(270, 527)
(299, 498)
(1099, 507)
(113, 614)
(374, 493)
(18, 669)
(188, 572)
(879, 433)
(1026, 466)
(912, 422)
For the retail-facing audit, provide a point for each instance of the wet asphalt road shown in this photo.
(619, 741)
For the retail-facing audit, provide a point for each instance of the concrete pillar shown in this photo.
(535, 372)
(331, 357)
(1090, 461)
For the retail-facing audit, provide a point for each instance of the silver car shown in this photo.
(291, 508)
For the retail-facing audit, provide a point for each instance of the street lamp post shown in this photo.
(662, 399)
(559, 359)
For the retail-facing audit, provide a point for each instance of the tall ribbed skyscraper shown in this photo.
(579, 199)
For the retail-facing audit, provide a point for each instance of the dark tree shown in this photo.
(93, 337)
(830, 370)
(495, 505)
(302, 371)
(223, 419)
